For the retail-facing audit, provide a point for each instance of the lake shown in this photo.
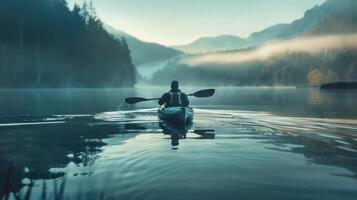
(244, 143)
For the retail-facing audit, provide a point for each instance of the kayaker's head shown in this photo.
(174, 85)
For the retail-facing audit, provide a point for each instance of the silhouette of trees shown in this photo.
(45, 44)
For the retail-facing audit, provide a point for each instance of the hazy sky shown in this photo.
(173, 22)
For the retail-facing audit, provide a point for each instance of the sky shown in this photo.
(177, 22)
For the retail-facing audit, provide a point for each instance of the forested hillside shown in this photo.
(45, 44)
(311, 20)
(344, 21)
(289, 69)
(325, 53)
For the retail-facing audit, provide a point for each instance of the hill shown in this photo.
(321, 53)
(286, 69)
(209, 44)
(44, 44)
(144, 52)
(344, 21)
(312, 18)
(310, 21)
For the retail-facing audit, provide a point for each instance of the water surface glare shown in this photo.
(288, 146)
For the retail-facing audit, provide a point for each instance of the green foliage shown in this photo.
(290, 69)
(44, 44)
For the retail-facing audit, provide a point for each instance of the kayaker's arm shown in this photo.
(185, 101)
(164, 99)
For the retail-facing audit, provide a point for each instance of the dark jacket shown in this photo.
(178, 99)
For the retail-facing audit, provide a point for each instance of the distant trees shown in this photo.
(316, 77)
(290, 69)
(44, 44)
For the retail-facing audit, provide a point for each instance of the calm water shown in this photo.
(244, 143)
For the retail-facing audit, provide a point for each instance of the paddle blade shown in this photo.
(134, 100)
(204, 93)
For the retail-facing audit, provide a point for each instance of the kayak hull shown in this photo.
(178, 115)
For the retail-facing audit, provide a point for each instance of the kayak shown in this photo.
(178, 115)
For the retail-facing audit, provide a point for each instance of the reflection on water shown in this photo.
(227, 153)
(178, 131)
(175, 131)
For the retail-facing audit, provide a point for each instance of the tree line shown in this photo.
(288, 69)
(43, 43)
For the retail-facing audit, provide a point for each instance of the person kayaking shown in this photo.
(174, 97)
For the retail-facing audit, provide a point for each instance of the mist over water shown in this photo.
(147, 70)
(67, 71)
(241, 142)
(307, 44)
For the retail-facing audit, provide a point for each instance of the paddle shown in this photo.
(200, 94)
(203, 93)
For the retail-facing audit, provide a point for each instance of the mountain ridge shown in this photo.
(301, 61)
(212, 43)
(144, 52)
(312, 18)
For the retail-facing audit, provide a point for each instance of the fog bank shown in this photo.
(306, 44)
